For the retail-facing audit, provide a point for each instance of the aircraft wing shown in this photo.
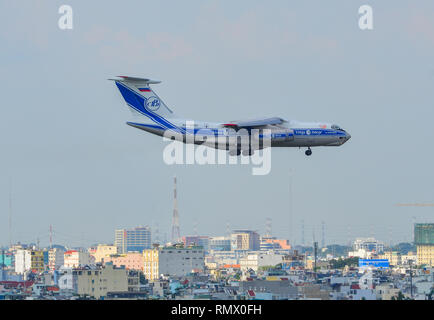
(254, 123)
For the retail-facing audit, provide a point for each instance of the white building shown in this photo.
(363, 294)
(360, 253)
(219, 243)
(66, 281)
(368, 244)
(172, 261)
(255, 260)
(75, 258)
(409, 258)
(23, 261)
(386, 291)
(221, 258)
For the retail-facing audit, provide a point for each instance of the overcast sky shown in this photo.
(74, 163)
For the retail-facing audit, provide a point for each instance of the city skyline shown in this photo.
(86, 241)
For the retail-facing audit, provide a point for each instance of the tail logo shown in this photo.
(152, 103)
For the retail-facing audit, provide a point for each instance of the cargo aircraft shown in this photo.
(156, 118)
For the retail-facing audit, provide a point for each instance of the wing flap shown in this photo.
(255, 122)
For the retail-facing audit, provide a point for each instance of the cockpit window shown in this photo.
(336, 127)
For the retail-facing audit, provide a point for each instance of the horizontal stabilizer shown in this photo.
(136, 80)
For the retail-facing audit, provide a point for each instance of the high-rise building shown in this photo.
(424, 241)
(55, 258)
(136, 239)
(245, 240)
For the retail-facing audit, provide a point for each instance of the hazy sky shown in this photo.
(76, 165)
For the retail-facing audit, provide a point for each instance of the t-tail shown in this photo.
(139, 96)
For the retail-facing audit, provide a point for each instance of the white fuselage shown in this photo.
(290, 134)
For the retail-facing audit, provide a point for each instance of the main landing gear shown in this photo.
(248, 152)
(234, 152)
(308, 151)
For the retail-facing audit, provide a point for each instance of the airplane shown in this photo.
(156, 118)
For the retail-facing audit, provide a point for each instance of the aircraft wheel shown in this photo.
(233, 153)
(308, 152)
(248, 152)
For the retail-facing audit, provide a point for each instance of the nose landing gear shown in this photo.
(308, 152)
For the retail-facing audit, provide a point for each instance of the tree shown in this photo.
(341, 263)
(404, 247)
(142, 278)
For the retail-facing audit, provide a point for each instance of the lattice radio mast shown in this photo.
(175, 219)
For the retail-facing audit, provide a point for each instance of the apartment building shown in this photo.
(173, 261)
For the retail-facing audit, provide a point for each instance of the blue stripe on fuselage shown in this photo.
(220, 132)
(317, 132)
